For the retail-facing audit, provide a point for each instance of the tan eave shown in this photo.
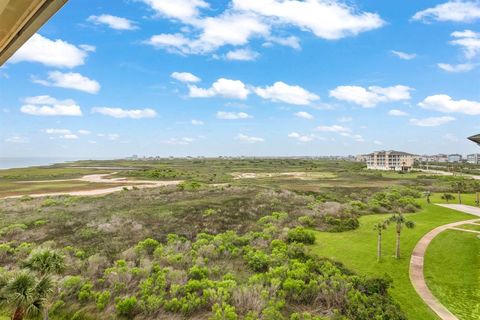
(20, 19)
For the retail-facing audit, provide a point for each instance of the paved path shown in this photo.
(417, 259)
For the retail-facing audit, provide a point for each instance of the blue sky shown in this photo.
(245, 77)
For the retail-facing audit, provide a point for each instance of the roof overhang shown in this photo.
(20, 19)
(475, 138)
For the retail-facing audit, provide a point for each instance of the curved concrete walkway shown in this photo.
(417, 259)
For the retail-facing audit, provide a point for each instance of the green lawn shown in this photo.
(469, 226)
(467, 198)
(357, 250)
(459, 253)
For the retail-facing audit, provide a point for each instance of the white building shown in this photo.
(473, 158)
(454, 158)
(390, 160)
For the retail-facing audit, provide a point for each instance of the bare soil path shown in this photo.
(418, 256)
(123, 184)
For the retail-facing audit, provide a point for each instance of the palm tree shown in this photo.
(400, 221)
(379, 227)
(24, 295)
(45, 263)
(459, 185)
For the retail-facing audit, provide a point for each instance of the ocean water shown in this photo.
(8, 163)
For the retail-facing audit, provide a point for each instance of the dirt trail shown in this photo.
(418, 256)
(101, 178)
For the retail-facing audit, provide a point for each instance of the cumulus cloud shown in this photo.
(70, 80)
(197, 122)
(397, 113)
(404, 55)
(53, 53)
(244, 20)
(232, 115)
(334, 128)
(444, 103)
(226, 88)
(61, 134)
(242, 55)
(248, 139)
(114, 22)
(432, 121)
(454, 11)
(462, 67)
(124, 113)
(57, 131)
(469, 41)
(371, 96)
(49, 106)
(282, 92)
(186, 77)
(84, 132)
(183, 141)
(301, 138)
(304, 115)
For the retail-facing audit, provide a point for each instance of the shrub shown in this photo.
(198, 273)
(223, 312)
(50, 203)
(102, 300)
(307, 221)
(301, 235)
(127, 306)
(148, 245)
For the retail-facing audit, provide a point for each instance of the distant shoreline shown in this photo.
(17, 163)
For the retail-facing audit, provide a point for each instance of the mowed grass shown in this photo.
(474, 227)
(357, 250)
(467, 198)
(452, 272)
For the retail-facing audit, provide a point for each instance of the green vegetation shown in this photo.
(457, 289)
(357, 250)
(237, 239)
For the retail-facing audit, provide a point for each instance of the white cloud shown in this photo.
(334, 128)
(49, 106)
(180, 141)
(462, 67)
(248, 139)
(301, 138)
(282, 92)
(444, 103)
(16, 139)
(70, 80)
(304, 115)
(183, 10)
(186, 77)
(54, 53)
(432, 121)
(397, 113)
(57, 131)
(69, 137)
(123, 113)
(84, 132)
(371, 96)
(469, 41)
(114, 22)
(231, 89)
(244, 20)
(326, 19)
(454, 10)
(242, 55)
(378, 143)
(232, 115)
(112, 136)
(197, 122)
(404, 55)
(291, 41)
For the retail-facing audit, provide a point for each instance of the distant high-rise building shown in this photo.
(455, 158)
(473, 158)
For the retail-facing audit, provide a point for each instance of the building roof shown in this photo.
(20, 19)
(392, 152)
(475, 138)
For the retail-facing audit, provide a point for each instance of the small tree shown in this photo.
(379, 227)
(427, 195)
(459, 185)
(447, 197)
(400, 222)
(24, 295)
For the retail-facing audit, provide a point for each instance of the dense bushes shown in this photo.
(301, 235)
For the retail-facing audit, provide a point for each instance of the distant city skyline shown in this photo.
(245, 78)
